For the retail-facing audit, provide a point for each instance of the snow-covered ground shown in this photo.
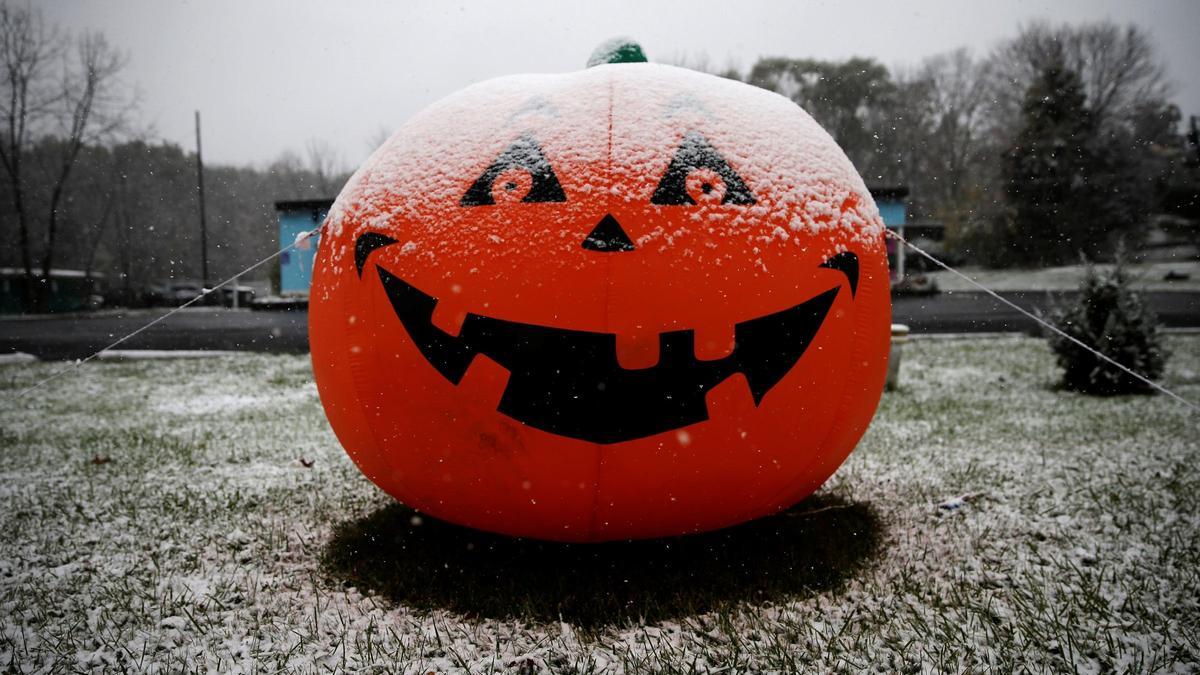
(169, 516)
(1146, 276)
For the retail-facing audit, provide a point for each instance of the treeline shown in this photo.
(81, 188)
(1060, 141)
(131, 213)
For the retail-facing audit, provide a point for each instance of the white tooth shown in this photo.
(448, 317)
(637, 351)
(485, 381)
(730, 399)
(714, 342)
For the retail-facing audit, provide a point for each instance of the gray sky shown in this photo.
(268, 75)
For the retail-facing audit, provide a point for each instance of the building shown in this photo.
(296, 265)
(893, 208)
(70, 290)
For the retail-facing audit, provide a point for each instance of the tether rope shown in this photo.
(1043, 322)
(74, 365)
(304, 236)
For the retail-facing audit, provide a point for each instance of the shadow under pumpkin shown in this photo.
(428, 564)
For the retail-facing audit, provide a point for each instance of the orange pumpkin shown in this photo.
(626, 302)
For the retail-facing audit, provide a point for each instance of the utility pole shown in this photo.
(1193, 137)
(200, 189)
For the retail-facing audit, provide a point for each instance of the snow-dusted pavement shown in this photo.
(181, 515)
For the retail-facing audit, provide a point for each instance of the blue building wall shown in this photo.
(893, 208)
(296, 265)
(894, 212)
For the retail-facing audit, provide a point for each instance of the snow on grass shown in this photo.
(168, 516)
(229, 398)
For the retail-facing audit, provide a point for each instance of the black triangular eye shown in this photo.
(695, 152)
(526, 154)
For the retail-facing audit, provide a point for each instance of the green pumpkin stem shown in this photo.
(617, 50)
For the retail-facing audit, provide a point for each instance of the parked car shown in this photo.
(177, 292)
(244, 294)
(915, 284)
(172, 293)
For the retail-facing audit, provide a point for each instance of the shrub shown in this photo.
(1111, 318)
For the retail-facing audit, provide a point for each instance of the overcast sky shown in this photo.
(268, 75)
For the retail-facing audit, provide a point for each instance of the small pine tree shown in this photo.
(1111, 318)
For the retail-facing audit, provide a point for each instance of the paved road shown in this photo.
(973, 312)
(70, 336)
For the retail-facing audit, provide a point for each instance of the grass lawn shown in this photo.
(188, 515)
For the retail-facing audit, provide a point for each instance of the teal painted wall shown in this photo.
(893, 212)
(295, 266)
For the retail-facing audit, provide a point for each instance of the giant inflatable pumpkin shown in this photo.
(625, 302)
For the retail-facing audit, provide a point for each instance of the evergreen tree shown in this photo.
(1069, 190)
(1046, 168)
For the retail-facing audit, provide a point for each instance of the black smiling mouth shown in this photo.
(569, 382)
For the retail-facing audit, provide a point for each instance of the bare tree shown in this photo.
(940, 134)
(58, 89)
(1117, 64)
(703, 63)
(27, 51)
(99, 226)
(287, 163)
(90, 110)
(958, 95)
(854, 100)
(325, 163)
(377, 139)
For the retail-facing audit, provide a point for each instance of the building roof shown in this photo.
(894, 192)
(303, 204)
(55, 272)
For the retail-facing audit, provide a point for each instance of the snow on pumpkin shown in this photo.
(555, 279)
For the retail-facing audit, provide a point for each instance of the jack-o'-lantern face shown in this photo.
(634, 277)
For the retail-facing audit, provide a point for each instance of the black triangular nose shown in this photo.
(608, 237)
